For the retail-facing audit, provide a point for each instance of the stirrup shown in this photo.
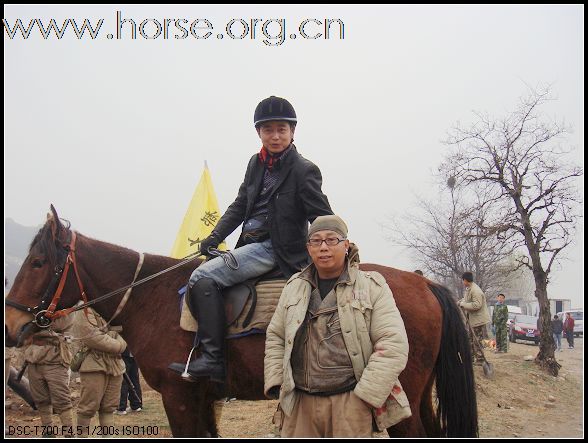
(186, 374)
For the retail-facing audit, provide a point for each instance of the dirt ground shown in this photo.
(521, 401)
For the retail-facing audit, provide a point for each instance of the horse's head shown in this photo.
(38, 280)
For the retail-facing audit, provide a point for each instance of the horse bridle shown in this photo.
(45, 312)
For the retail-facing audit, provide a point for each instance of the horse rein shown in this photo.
(227, 256)
(44, 317)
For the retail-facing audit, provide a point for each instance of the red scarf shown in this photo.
(268, 159)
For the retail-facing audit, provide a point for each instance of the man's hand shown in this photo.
(274, 392)
(212, 241)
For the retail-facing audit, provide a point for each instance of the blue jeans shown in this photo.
(557, 340)
(254, 260)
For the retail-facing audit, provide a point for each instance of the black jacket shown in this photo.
(557, 326)
(296, 199)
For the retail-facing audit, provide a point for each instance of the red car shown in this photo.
(524, 327)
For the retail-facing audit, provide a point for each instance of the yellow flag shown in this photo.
(200, 219)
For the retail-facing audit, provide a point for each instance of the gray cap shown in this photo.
(328, 223)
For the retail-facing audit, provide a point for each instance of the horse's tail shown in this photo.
(457, 411)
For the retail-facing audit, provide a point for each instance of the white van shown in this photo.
(578, 316)
(512, 311)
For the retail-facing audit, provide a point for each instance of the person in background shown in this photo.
(48, 357)
(474, 304)
(128, 393)
(557, 328)
(569, 330)
(499, 319)
(101, 372)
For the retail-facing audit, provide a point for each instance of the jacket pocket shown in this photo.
(334, 325)
(285, 200)
(292, 302)
(292, 310)
(332, 353)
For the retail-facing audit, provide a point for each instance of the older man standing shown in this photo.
(474, 303)
(336, 344)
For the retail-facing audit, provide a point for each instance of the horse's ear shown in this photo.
(53, 220)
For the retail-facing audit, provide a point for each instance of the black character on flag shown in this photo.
(210, 218)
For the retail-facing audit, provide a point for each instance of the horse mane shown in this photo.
(44, 243)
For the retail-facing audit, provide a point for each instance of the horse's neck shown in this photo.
(151, 307)
(106, 268)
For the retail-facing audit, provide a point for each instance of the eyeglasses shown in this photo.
(332, 241)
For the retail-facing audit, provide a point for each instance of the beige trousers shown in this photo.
(340, 415)
(49, 386)
(100, 393)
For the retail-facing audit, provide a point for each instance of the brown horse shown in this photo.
(439, 350)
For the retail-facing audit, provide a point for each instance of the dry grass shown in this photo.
(515, 403)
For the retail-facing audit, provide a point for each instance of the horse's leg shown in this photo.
(416, 381)
(189, 409)
(428, 414)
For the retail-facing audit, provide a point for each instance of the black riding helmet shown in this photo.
(274, 108)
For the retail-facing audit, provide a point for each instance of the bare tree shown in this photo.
(520, 285)
(446, 240)
(518, 163)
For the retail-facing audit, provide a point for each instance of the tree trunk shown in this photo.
(546, 356)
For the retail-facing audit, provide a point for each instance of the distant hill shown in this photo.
(17, 240)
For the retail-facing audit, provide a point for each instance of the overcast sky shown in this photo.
(114, 132)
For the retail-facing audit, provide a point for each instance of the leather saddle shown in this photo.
(235, 297)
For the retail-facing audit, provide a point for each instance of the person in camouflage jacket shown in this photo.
(499, 319)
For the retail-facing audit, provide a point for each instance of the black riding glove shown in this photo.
(212, 241)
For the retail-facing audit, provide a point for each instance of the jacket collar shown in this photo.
(270, 161)
(348, 276)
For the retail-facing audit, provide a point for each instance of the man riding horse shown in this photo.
(280, 194)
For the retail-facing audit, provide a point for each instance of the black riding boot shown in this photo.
(206, 304)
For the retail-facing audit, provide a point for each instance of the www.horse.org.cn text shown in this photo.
(271, 32)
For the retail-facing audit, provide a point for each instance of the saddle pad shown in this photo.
(268, 294)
